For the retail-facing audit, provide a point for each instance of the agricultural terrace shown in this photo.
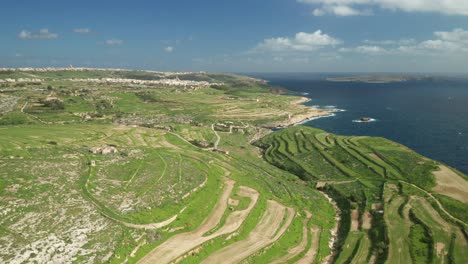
(119, 172)
(114, 166)
(391, 201)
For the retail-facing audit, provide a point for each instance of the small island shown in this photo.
(365, 120)
(373, 78)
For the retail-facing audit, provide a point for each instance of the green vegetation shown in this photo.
(111, 172)
(421, 242)
(363, 174)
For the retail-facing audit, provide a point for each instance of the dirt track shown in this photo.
(235, 219)
(292, 252)
(179, 245)
(309, 257)
(437, 202)
(267, 231)
(148, 226)
(218, 138)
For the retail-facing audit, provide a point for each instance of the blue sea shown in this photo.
(429, 115)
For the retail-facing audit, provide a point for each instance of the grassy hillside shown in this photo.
(384, 193)
(127, 172)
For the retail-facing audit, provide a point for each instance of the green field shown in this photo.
(393, 182)
(95, 172)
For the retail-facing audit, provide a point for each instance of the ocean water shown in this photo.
(430, 116)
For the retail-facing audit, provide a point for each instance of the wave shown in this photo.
(366, 121)
(313, 118)
(329, 108)
(337, 110)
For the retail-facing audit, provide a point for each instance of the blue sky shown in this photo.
(238, 36)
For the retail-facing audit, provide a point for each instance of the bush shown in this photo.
(54, 104)
(103, 105)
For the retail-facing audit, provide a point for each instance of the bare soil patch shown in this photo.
(148, 226)
(181, 243)
(294, 251)
(378, 206)
(354, 220)
(233, 202)
(320, 185)
(267, 231)
(236, 218)
(440, 249)
(366, 220)
(309, 257)
(451, 184)
(373, 155)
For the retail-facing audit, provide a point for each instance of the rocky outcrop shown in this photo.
(104, 150)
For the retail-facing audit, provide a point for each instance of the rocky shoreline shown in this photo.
(310, 114)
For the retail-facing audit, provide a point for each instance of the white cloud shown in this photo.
(446, 42)
(114, 42)
(319, 12)
(454, 41)
(42, 34)
(361, 7)
(343, 10)
(457, 35)
(82, 30)
(300, 42)
(340, 10)
(366, 49)
(390, 42)
(372, 50)
(169, 49)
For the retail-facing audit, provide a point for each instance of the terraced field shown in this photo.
(389, 210)
(119, 173)
(112, 173)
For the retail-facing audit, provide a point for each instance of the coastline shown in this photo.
(311, 113)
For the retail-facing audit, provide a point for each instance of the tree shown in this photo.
(54, 104)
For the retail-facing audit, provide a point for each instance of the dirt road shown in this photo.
(309, 257)
(179, 245)
(268, 230)
(292, 252)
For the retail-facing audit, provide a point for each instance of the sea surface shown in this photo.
(430, 116)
